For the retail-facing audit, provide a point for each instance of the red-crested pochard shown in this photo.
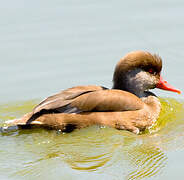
(127, 106)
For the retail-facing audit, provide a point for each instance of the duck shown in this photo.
(129, 105)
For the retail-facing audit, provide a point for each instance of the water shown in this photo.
(47, 46)
(93, 152)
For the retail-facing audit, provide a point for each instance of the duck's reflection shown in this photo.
(148, 161)
(104, 151)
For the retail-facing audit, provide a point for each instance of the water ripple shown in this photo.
(32, 153)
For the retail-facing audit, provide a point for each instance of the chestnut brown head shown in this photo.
(137, 71)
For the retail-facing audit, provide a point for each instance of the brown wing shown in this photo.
(106, 100)
(63, 98)
(86, 99)
(89, 99)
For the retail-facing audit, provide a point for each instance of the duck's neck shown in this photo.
(135, 81)
(132, 89)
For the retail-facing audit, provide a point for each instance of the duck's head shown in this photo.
(138, 72)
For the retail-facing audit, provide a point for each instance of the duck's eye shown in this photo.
(151, 71)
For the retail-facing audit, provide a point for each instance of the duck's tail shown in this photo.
(12, 125)
(7, 129)
(15, 124)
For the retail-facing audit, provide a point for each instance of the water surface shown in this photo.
(92, 152)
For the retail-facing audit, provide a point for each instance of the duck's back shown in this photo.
(82, 99)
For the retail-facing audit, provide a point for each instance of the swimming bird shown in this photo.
(129, 105)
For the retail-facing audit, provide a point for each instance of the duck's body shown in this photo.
(127, 106)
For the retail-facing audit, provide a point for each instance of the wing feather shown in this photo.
(107, 100)
(64, 98)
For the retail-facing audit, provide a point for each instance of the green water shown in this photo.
(94, 152)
